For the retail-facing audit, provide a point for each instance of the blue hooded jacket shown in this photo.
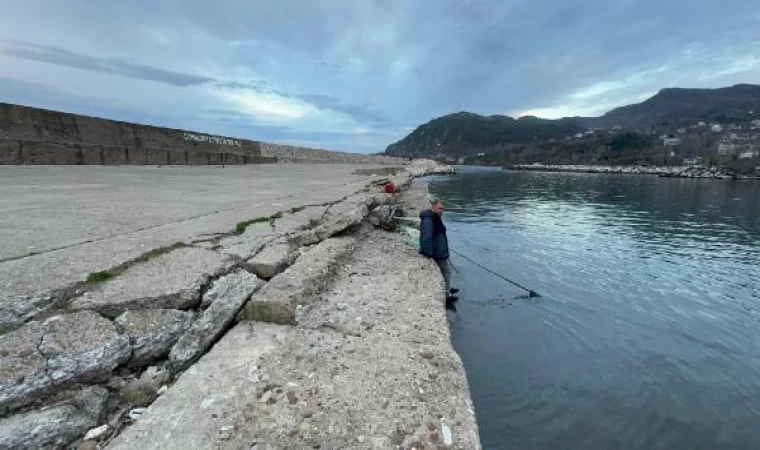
(433, 241)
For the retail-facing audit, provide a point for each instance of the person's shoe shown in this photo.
(452, 298)
(453, 291)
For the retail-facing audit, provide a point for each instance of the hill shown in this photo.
(456, 133)
(464, 133)
(680, 107)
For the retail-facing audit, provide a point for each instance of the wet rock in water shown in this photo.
(152, 332)
(230, 294)
(55, 426)
(40, 358)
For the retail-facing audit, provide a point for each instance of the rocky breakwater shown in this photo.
(422, 167)
(315, 332)
(711, 172)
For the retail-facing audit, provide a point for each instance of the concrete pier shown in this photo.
(245, 307)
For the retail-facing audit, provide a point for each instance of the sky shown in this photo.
(357, 75)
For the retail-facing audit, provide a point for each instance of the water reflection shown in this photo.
(645, 336)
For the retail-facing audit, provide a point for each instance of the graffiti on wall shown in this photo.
(211, 139)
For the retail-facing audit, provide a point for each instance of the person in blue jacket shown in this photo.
(434, 243)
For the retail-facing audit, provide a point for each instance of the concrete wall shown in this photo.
(37, 136)
(291, 154)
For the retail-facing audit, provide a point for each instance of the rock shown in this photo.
(22, 366)
(275, 258)
(339, 218)
(278, 301)
(55, 426)
(230, 294)
(266, 396)
(172, 280)
(96, 434)
(40, 358)
(82, 347)
(144, 390)
(136, 414)
(152, 332)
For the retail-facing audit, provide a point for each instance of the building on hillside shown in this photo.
(701, 124)
(668, 140)
(726, 147)
(579, 135)
(693, 161)
(681, 130)
(751, 153)
(716, 128)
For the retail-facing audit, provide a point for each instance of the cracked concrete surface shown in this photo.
(62, 223)
(370, 365)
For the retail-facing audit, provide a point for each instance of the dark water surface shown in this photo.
(646, 335)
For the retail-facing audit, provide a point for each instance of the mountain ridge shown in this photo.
(670, 108)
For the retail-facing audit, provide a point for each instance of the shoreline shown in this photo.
(698, 172)
(326, 332)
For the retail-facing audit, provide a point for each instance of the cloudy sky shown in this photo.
(357, 75)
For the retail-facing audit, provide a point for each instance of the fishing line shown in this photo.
(531, 292)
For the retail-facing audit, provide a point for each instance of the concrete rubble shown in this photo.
(152, 332)
(346, 345)
(228, 294)
(273, 259)
(55, 426)
(298, 286)
(43, 357)
(368, 366)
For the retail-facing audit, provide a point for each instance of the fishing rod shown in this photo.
(531, 292)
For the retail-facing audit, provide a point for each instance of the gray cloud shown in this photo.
(116, 66)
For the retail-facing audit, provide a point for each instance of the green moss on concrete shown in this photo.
(99, 277)
(241, 226)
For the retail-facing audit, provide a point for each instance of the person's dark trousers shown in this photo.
(445, 267)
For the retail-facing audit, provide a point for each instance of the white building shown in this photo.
(747, 154)
(671, 141)
(717, 128)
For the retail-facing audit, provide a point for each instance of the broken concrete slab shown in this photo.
(56, 426)
(297, 286)
(172, 280)
(22, 366)
(290, 387)
(273, 259)
(40, 358)
(228, 295)
(82, 347)
(152, 332)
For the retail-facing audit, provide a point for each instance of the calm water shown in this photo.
(647, 332)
